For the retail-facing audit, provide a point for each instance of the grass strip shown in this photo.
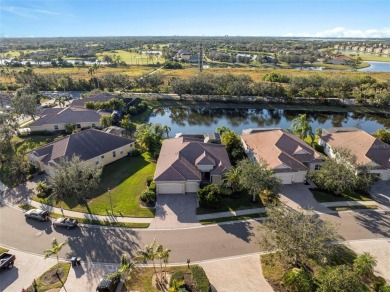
(346, 208)
(232, 218)
(27, 207)
(2, 250)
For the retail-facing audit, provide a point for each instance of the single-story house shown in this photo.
(186, 162)
(101, 97)
(369, 151)
(206, 137)
(288, 156)
(92, 146)
(55, 119)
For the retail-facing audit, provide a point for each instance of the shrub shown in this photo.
(378, 283)
(149, 180)
(148, 196)
(31, 169)
(41, 172)
(210, 196)
(69, 128)
(30, 177)
(384, 289)
(153, 187)
(135, 153)
(200, 279)
(132, 111)
(178, 276)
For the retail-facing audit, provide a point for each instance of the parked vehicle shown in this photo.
(65, 223)
(108, 283)
(7, 261)
(37, 214)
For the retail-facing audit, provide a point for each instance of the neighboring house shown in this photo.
(184, 163)
(102, 97)
(92, 146)
(116, 131)
(55, 119)
(206, 137)
(288, 156)
(369, 151)
(340, 60)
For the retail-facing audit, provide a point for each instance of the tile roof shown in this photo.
(86, 144)
(102, 97)
(178, 158)
(66, 116)
(367, 148)
(283, 151)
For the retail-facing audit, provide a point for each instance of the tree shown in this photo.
(301, 126)
(8, 127)
(222, 129)
(341, 278)
(55, 249)
(364, 264)
(383, 135)
(176, 285)
(127, 124)
(63, 82)
(341, 173)
(25, 104)
(149, 137)
(257, 177)
(296, 235)
(106, 121)
(299, 279)
(126, 266)
(232, 179)
(233, 144)
(166, 129)
(210, 196)
(74, 178)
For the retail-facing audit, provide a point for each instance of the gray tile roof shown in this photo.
(178, 157)
(98, 97)
(86, 144)
(67, 116)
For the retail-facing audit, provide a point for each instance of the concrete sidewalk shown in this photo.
(231, 213)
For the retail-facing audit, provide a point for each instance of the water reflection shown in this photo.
(205, 119)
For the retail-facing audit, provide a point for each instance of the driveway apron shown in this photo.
(298, 197)
(380, 192)
(175, 211)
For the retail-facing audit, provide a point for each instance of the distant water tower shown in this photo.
(200, 59)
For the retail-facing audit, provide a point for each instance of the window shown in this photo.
(317, 167)
(78, 126)
(121, 151)
(93, 125)
(55, 127)
(132, 145)
(97, 161)
(113, 154)
(102, 156)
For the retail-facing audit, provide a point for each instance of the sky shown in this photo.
(309, 18)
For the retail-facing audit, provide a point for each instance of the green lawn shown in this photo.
(232, 204)
(25, 144)
(323, 196)
(126, 179)
(49, 281)
(346, 208)
(132, 58)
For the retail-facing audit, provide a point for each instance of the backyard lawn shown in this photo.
(126, 179)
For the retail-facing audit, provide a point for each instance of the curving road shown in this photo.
(210, 242)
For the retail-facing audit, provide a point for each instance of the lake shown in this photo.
(203, 119)
(376, 67)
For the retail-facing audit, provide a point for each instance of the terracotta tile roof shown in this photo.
(67, 116)
(367, 148)
(86, 144)
(283, 151)
(178, 157)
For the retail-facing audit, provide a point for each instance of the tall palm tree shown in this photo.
(301, 126)
(163, 256)
(232, 178)
(150, 253)
(55, 249)
(364, 264)
(166, 129)
(126, 266)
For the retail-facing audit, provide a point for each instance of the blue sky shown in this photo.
(331, 18)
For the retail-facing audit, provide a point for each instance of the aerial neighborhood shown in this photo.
(194, 164)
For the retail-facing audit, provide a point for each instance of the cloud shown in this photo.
(28, 12)
(341, 32)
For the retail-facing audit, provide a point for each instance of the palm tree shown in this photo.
(163, 256)
(55, 249)
(232, 178)
(166, 129)
(364, 264)
(126, 266)
(106, 121)
(150, 253)
(60, 101)
(301, 126)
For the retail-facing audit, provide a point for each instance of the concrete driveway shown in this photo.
(299, 197)
(380, 192)
(27, 268)
(175, 211)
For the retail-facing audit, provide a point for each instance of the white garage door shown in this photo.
(192, 187)
(285, 177)
(300, 177)
(170, 189)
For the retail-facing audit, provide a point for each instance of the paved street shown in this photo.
(199, 243)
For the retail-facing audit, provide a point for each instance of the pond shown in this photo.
(377, 67)
(204, 119)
